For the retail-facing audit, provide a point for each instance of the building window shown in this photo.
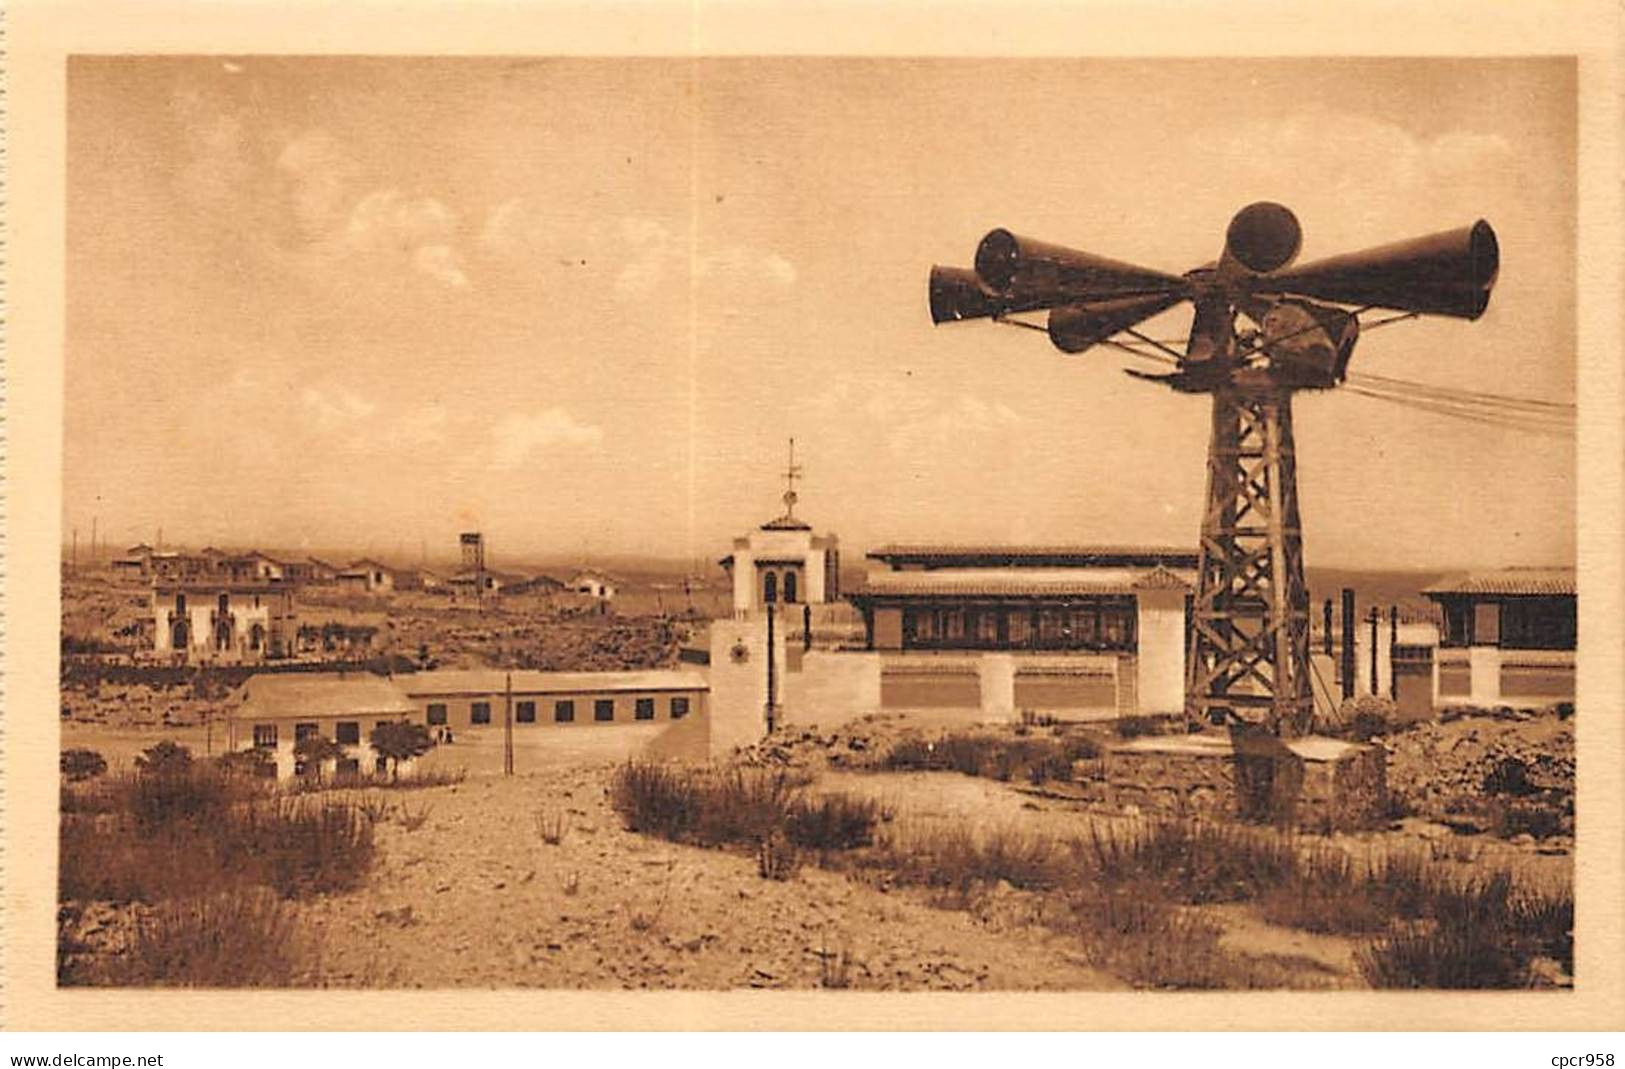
(347, 732)
(644, 709)
(679, 708)
(306, 731)
(479, 713)
(564, 712)
(437, 713)
(265, 736)
(790, 587)
(770, 587)
(525, 712)
(349, 766)
(1538, 623)
(1458, 624)
(603, 709)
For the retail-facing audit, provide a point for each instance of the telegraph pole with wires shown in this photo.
(507, 725)
(1262, 331)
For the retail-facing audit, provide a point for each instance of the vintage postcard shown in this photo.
(537, 516)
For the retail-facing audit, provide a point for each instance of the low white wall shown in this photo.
(832, 688)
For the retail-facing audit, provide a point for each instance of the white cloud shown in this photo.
(320, 172)
(936, 427)
(389, 218)
(441, 262)
(336, 408)
(517, 436)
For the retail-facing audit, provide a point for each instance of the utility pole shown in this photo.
(1374, 616)
(507, 727)
(772, 674)
(1348, 643)
(1393, 644)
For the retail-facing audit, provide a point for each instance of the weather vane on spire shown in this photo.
(791, 474)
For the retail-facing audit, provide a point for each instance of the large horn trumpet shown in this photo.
(1024, 270)
(1449, 273)
(956, 293)
(1075, 327)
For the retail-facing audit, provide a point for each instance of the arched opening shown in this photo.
(770, 587)
(222, 633)
(790, 587)
(256, 637)
(179, 634)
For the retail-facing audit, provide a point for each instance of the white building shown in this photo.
(783, 563)
(275, 710)
(594, 584)
(220, 621)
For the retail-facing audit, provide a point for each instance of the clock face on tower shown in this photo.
(740, 653)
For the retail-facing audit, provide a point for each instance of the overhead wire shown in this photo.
(1532, 415)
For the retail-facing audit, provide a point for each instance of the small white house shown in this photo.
(275, 710)
(594, 584)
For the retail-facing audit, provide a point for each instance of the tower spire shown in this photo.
(792, 472)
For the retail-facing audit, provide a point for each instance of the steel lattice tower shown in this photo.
(1248, 640)
(1248, 653)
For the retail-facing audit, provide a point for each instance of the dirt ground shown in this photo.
(475, 897)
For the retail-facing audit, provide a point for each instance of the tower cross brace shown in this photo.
(1249, 652)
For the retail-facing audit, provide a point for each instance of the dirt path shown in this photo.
(474, 897)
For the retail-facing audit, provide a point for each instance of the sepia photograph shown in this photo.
(587, 523)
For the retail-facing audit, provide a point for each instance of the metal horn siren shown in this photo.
(956, 293)
(1043, 275)
(1076, 327)
(1449, 273)
(1263, 237)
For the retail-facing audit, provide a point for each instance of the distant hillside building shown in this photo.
(250, 567)
(1508, 637)
(594, 584)
(367, 576)
(221, 621)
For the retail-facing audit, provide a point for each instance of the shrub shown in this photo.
(78, 765)
(399, 741)
(295, 848)
(832, 822)
(705, 808)
(1509, 776)
(1365, 716)
(255, 762)
(1133, 727)
(244, 938)
(167, 758)
(1195, 862)
(953, 858)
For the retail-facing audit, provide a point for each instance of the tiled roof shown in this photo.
(1513, 581)
(494, 681)
(1069, 554)
(288, 695)
(1052, 582)
(786, 523)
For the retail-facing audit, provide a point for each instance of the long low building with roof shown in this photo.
(1057, 630)
(1508, 637)
(274, 710)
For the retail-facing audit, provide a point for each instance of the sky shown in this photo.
(581, 304)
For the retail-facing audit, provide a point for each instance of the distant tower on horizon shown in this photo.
(473, 543)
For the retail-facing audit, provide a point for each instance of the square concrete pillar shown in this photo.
(996, 676)
(1160, 660)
